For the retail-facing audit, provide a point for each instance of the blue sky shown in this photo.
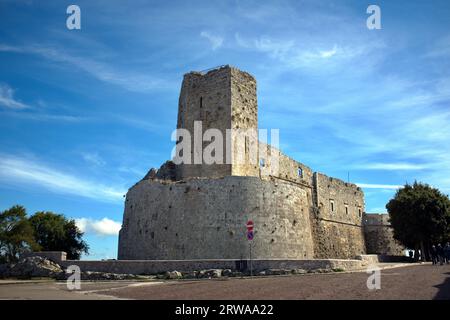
(85, 113)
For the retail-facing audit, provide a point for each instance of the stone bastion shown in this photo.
(205, 219)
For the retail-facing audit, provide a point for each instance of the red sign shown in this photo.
(249, 225)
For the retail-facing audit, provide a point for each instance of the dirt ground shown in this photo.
(412, 282)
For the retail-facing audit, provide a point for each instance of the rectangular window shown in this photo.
(346, 209)
(262, 162)
(332, 206)
(300, 172)
(359, 212)
(246, 145)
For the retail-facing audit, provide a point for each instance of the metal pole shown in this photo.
(251, 265)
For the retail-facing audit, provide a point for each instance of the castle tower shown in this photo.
(223, 98)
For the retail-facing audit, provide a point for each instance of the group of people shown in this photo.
(440, 254)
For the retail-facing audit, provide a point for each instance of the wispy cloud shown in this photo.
(15, 108)
(93, 158)
(295, 54)
(102, 227)
(7, 98)
(37, 116)
(328, 53)
(440, 48)
(22, 171)
(274, 48)
(130, 80)
(216, 41)
(132, 170)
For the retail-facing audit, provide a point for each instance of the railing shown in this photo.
(213, 68)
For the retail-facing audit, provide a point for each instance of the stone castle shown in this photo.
(199, 211)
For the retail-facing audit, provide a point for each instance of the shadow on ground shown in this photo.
(444, 289)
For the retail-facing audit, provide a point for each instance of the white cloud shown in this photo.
(216, 41)
(277, 49)
(132, 81)
(23, 171)
(329, 53)
(7, 98)
(93, 158)
(103, 227)
(378, 186)
(296, 54)
(34, 116)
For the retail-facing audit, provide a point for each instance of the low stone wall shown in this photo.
(55, 256)
(377, 258)
(159, 266)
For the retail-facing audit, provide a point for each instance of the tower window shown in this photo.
(332, 206)
(262, 162)
(300, 172)
(359, 212)
(346, 209)
(201, 102)
(246, 144)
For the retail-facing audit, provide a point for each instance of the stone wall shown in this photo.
(223, 98)
(286, 168)
(160, 266)
(337, 218)
(206, 98)
(55, 256)
(244, 117)
(205, 219)
(380, 236)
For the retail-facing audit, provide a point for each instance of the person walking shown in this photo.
(434, 254)
(440, 253)
(447, 253)
(418, 255)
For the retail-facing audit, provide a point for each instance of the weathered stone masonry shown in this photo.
(205, 219)
(199, 211)
(379, 235)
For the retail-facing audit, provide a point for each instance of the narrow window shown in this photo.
(332, 205)
(246, 145)
(300, 172)
(346, 209)
(201, 102)
(359, 212)
(262, 162)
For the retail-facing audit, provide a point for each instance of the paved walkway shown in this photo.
(410, 282)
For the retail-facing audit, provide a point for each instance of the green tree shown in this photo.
(420, 216)
(53, 232)
(16, 234)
